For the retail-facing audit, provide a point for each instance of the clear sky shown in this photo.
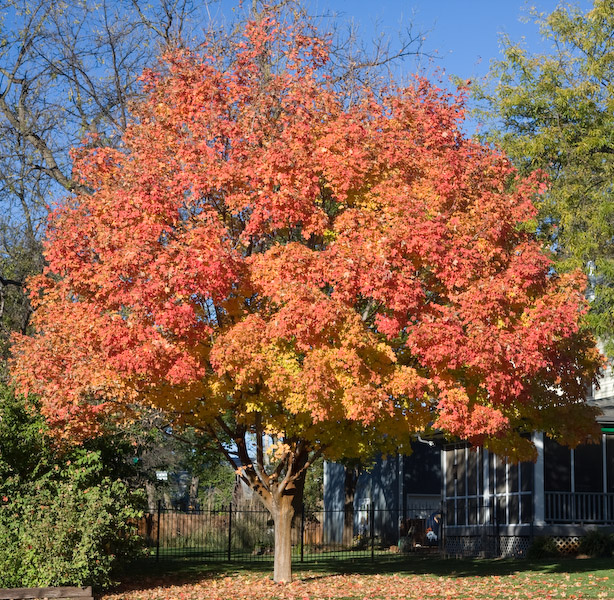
(464, 34)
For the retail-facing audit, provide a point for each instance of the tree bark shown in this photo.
(283, 514)
(285, 504)
(151, 496)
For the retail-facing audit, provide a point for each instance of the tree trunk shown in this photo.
(352, 472)
(150, 488)
(193, 504)
(283, 513)
(280, 489)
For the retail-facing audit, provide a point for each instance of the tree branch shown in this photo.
(260, 448)
(41, 146)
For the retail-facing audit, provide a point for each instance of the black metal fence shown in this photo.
(246, 534)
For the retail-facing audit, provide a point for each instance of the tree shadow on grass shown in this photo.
(149, 574)
(451, 567)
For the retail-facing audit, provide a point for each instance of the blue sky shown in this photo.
(464, 34)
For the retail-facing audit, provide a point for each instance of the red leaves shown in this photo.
(260, 246)
(468, 420)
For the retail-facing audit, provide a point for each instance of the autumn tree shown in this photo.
(553, 111)
(270, 262)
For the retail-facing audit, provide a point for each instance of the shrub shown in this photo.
(543, 547)
(66, 518)
(253, 531)
(596, 543)
(71, 526)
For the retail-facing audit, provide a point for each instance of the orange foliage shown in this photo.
(263, 247)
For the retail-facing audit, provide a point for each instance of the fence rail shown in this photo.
(232, 533)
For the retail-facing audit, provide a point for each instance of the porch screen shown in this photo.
(588, 468)
(505, 498)
(557, 467)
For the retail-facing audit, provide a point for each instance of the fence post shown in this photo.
(372, 532)
(302, 532)
(158, 531)
(442, 530)
(229, 531)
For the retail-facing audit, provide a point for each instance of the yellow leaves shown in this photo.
(277, 450)
(252, 407)
(365, 200)
(383, 353)
(182, 397)
(514, 447)
(283, 358)
(215, 389)
(329, 236)
(372, 195)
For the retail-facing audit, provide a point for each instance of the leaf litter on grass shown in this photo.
(316, 586)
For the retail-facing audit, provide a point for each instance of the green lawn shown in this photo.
(392, 579)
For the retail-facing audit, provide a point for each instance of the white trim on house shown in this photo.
(539, 502)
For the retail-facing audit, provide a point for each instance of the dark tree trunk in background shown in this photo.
(352, 473)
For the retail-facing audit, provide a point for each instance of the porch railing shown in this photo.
(579, 507)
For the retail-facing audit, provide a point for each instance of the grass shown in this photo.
(394, 578)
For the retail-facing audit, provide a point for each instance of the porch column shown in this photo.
(604, 465)
(539, 496)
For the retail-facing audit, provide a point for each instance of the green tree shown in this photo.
(555, 111)
(162, 448)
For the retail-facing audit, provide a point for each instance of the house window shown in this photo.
(513, 487)
(526, 477)
(475, 460)
(461, 472)
(451, 474)
(579, 483)
(422, 470)
(463, 486)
